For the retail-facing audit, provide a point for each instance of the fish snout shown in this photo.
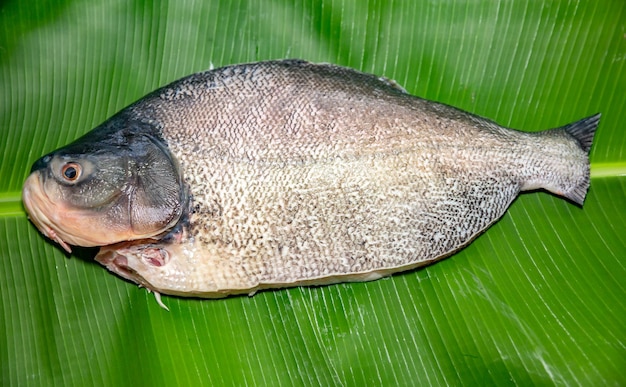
(37, 204)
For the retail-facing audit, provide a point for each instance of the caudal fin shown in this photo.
(584, 130)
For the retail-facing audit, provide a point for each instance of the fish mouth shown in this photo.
(39, 206)
(64, 225)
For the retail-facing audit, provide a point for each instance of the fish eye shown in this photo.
(71, 171)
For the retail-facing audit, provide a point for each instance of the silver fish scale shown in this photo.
(300, 171)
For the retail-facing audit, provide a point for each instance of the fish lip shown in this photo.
(37, 203)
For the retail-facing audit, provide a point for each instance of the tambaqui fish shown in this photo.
(285, 173)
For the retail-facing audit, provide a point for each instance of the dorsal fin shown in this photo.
(393, 83)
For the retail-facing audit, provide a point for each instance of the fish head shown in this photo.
(117, 183)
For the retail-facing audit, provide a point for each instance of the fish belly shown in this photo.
(278, 225)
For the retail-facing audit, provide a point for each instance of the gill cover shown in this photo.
(118, 182)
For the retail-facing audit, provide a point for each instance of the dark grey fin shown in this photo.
(579, 192)
(583, 131)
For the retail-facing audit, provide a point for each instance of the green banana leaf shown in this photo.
(540, 298)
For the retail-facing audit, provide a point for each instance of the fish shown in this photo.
(288, 173)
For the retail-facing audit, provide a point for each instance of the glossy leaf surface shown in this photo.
(538, 299)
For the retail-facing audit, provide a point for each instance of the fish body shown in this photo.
(285, 173)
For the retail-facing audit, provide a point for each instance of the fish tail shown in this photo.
(583, 132)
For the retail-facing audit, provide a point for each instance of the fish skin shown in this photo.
(309, 174)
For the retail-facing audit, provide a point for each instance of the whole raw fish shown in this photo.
(286, 173)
